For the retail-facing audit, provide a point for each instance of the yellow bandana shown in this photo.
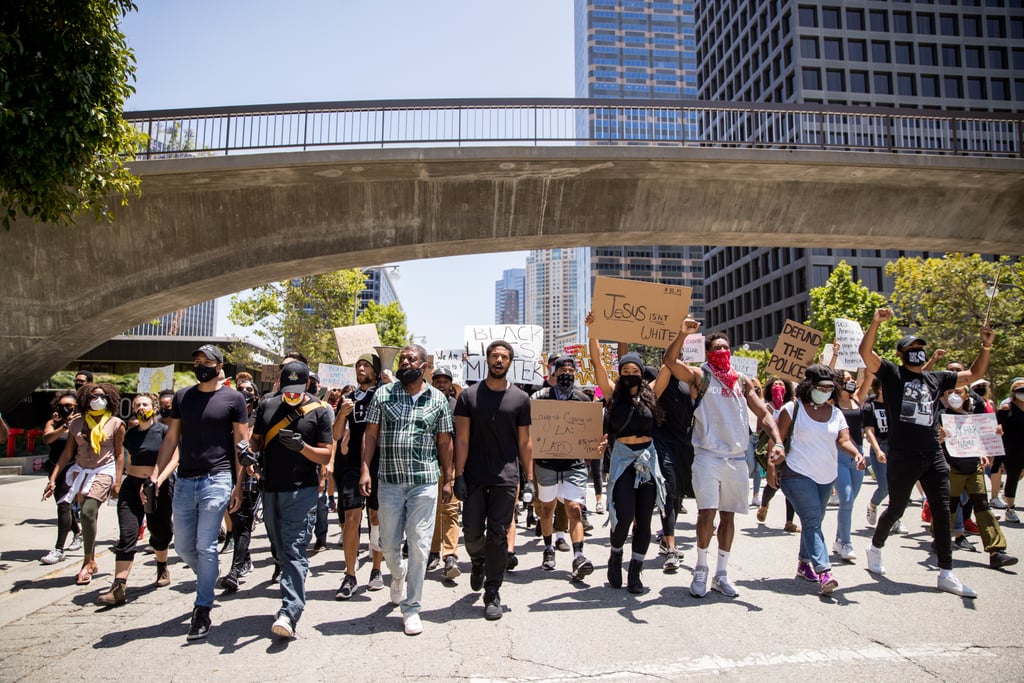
(96, 434)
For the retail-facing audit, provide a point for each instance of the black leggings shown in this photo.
(130, 513)
(597, 474)
(636, 505)
(241, 527)
(672, 459)
(1012, 468)
(67, 518)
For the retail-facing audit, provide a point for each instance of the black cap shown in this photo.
(907, 341)
(210, 351)
(819, 373)
(294, 377)
(562, 361)
(442, 370)
(631, 357)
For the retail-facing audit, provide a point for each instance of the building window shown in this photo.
(833, 48)
(951, 55)
(974, 57)
(809, 48)
(1016, 28)
(999, 88)
(808, 17)
(1018, 60)
(976, 88)
(883, 84)
(857, 51)
(929, 85)
(972, 26)
(926, 55)
(948, 25)
(812, 79)
(904, 53)
(995, 27)
(901, 22)
(996, 58)
(854, 20)
(830, 18)
(880, 52)
(835, 80)
(952, 87)
(1018, 90)
(906, 85)
(859, 81)
(925, 24)
(879, 21)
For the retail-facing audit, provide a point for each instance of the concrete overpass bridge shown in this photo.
(232, 198)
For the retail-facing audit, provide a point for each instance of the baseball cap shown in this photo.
(562, 361)
(294, 377)
(907, 341)
(443, 371)
(210, 351)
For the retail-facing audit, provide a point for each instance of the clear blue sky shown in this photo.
(198, 54)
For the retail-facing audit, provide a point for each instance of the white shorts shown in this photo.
(568, 486)
(720, 483)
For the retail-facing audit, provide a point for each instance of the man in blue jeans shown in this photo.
(206, 422)
(412, 422)
(293, 432)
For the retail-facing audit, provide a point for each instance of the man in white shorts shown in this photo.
(721, 433)
(562, 481)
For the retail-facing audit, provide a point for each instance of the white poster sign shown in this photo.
(748, 366)
(155, 380)
(335, 376)
(527, 341)
(693, 348)
(972, 436)
(848, 334)
(451, 361)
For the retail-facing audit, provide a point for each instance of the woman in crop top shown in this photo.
(142, 444)
(634, 483)
(55, 435)
(96, 441)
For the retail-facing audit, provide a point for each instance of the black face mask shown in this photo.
(631, 381)
(850, 386)
(916, 357)
(565, 381)
(314, 388)
(165, 412)
(65, 411)
(205, 374)
(409, 375)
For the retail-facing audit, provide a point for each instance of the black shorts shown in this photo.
(346, 483)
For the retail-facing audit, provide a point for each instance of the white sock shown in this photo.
(945, 573)
(702, 557)
(375, 537)
(723, 561)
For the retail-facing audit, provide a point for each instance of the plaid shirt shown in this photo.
(407, 437)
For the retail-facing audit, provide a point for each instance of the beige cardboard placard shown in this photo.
(567, 430)
(269, 374)
(355, 340)
(797, 348)
(638, 312)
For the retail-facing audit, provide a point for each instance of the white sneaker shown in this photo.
(1012, 516)
(875, 560)
(833, 499)
(953, 585)
(847, 553)
(397, 588)
(76, 543)
(699, 584)
(413, 625)
(898, 527)
(872, 516)
(282, 627)
(755, 502)
(723, 585)
(52, 557)
(997, 503)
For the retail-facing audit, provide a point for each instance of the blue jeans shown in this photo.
(407, 510)
(810, 499)
(320, 530)
(881, 478)
(753, 469)
(198, 507)
(848, 483)
(289, 517)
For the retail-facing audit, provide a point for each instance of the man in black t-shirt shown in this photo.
(293, 432)
(912, 405)
(206, 423)
(492, 441)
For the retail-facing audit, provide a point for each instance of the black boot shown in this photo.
(615, 569)
(633, 583)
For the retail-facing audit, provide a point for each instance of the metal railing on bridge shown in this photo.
(484, 122)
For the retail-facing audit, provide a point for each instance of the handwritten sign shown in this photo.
(155, 380)
(972, 436)
(796, 349)
(640, 312)
(335, 376)
(585, 376)
(693, 348)
(269, 374)
(451, 361)
(354, 341)
(569, 430)
(526, 340)
(849, 334)
(748, 366)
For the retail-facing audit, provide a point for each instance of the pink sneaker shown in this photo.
(805, 571)
(828, 584)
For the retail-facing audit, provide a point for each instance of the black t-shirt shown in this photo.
(1012, 421)
(855, 422)
(876, 418)
(207, 423)
(356, 428)
(559, 464)
(628, 418)
(677, 406)
(495, 418)
(284, 469)
(143, 445)
(912, 405)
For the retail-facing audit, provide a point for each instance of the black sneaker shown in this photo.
(320, 546)
(451, 568)
(277, 574)
(1000, 559)
(492, 606)
(548, 563)
(200, 626)
(433, 561)
(476, 575)
(246, 568)
(581, 567)
(962, 543)
(562, 546)
(229, 581)
(511, 562)
(348, 586)
(228, 545)
(405, 550)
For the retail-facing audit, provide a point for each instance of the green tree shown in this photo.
(841, 297)
(945, 300)
(390, 321)
(300, 314)
(64, 78)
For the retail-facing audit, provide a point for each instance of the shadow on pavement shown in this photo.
(367, 624)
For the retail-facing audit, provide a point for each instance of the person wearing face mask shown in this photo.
(635, 484)
(207, 422)
(562, 481)
(966, 475)
(142, 443)
(96, 444)
(815, 431)
(164, 402)
(848, 483)
(778, 393)
(1010, 416)
(912, 405)
(242, 519)
(721, 433)
(55, 435)
(82, 377)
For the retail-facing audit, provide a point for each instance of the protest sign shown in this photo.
(972, 436)
(335, 376)
(451, 361)
(527, 341)
(639, 312)
(797, 348)
(849, 334)
(693, 348)
(269, 374)
(155, 380)
(585, 377)
(354, 341)
(748, 366)
(566, 429)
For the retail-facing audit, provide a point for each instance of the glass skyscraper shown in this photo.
(510, 297)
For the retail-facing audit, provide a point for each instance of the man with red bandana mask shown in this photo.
(721, 434)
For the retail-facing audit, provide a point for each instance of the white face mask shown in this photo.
(955, 402)
(98, 403)
(1019, 394)
(819, 397)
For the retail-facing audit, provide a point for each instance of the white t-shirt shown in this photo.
(813, 451)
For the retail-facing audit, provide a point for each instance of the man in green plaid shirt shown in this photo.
(411, 422)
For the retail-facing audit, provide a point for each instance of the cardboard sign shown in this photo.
(451, 361)
(639, 312)
(270, 374)
(527, 342)
(748, 366)
(354, 341)
(693, 348)
(797, 348)
(569, 430)
(585, 376)
(155, 380)
(335, 376)
(849, 334)
(972, 436)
